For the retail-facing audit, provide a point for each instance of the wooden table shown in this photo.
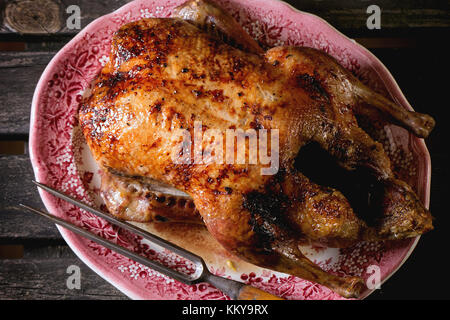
(34, 258)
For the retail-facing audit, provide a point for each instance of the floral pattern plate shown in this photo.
(61, 159)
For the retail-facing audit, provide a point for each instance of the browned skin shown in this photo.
(135, 199)
(165, 74)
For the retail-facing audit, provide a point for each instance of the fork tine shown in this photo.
(127, 253)
(232, 288)
(200, 264)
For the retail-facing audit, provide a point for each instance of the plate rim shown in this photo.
(378, 67)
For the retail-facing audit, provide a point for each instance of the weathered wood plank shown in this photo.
(50, 16)
(39, 251)
(18, 226)
(43, 275)
(46, 17)
(39, 16)
(19, 74)
(16, 187)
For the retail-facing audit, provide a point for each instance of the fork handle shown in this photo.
(237, 290)
(252, 293)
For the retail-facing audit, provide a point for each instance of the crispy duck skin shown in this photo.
(165, 74)
(142, 200)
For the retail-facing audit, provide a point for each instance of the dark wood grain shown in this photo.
(345, 15)
(16, 187)
(42, 274)
(19, 74)
(33, 17)
(30, 20)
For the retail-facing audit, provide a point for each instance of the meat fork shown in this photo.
(232, 288)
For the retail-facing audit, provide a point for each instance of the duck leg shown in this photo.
(289, 259)
(133, 199)
(254, 226)
(207, 16)
(340, 87)
(336, 130)
(418, 123)
(402, 213)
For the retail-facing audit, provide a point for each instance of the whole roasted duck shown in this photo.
(200, 66)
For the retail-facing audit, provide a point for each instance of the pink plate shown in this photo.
(61, 159)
